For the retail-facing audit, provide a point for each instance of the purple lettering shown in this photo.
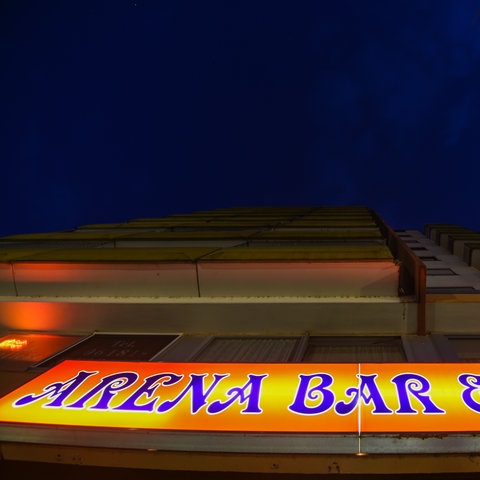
(148, 389)
(253, 387)
(108, 387)
(367, 391)
(412, 384)
(198, 394)
(472, 382)
(58, 391)
(319, 392)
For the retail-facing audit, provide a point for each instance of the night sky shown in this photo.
(119, 109)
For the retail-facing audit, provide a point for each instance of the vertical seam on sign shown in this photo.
(13, 279)
(198, 279)
(359, 406)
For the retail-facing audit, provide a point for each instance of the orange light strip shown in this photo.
(344, 398)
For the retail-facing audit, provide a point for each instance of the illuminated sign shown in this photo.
(18, 351)
(346, 398)
(13, 344)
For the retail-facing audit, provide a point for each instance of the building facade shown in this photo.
(255, 341)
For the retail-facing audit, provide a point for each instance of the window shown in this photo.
(248, 349)
(113, 347)
(18, 351)
(467, 349)
(354, 349)
(284, 349)
(440, 271)
(452, 290)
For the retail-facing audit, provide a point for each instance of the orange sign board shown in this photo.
(344, 398)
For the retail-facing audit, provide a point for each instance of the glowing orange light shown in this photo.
(13, 344)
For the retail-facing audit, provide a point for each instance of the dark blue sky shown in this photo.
(119, 109)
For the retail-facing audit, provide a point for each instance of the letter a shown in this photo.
(58, 391)
(240, 393)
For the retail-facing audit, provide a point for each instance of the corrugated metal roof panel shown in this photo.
(7, 255)
(192, 235)
(73, 235)
(102, 226)
(160, 223)
(150, 255)
(299, 253)
(334, 233)
(333, 222)
(35, 236)
(54, 244)
(205, 224)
